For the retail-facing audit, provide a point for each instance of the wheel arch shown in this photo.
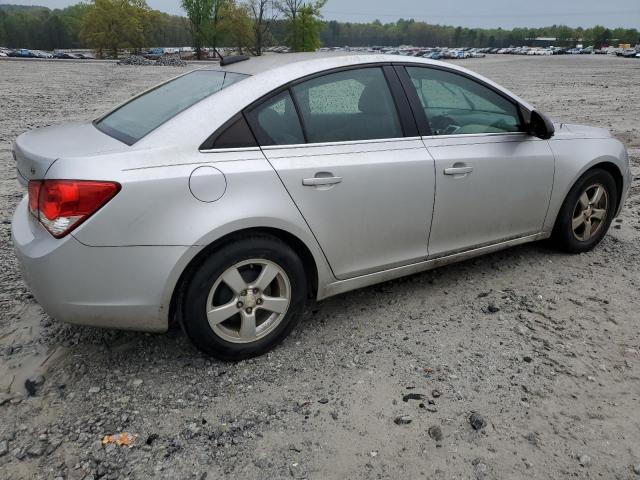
(617, 175)
(301, 249)
(566, 176)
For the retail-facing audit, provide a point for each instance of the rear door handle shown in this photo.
(458, 170)
(315, 181)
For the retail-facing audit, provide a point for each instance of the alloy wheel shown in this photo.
(590, 212)
(248, 301)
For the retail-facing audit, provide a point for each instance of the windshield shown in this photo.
(137, 118)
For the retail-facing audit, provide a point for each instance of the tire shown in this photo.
(585, 203)
(219, 305)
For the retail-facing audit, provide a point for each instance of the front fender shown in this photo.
(573, 158)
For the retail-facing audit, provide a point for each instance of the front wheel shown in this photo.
(244, 298)
(587, 212)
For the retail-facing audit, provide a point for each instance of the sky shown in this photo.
(466, 13)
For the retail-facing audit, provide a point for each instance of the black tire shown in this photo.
(194, 308)
(564, 237)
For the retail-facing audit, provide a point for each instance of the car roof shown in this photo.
(270, 61)
(266, 74)
(289, 66)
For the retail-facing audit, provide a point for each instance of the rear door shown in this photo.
(348, 153)
(493, 181)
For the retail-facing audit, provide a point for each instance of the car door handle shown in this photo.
(315, 181)
(458, 170)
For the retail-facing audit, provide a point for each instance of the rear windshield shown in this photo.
(135, 119)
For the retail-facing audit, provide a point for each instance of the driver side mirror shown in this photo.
(541, 126)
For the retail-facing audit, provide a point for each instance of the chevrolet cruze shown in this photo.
(227, 196)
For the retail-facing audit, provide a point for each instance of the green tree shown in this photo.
(199, 13)
(303, 24)
(3, 31)
(235, 26)
(262, 14)
(597, 36)
(205, 17)
(109, 25)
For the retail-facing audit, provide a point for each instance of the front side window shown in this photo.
(137, 118)
(348, 105)
(456, 105)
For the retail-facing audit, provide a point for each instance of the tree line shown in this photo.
(249, 25)
(411, 32)
(73, 27)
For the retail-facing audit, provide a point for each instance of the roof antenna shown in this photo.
(229, 60)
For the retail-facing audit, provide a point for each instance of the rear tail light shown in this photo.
(62, 205)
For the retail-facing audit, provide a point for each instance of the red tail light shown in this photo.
(62, 205)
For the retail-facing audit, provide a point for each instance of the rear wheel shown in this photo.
(245, 298)
(587, 212)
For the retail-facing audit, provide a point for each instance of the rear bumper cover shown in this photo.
(114, 287)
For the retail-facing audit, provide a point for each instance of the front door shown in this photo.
(493, 182)
(489, 189)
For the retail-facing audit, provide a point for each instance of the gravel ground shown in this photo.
(521, 364)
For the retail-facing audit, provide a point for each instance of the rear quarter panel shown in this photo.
(156, 207)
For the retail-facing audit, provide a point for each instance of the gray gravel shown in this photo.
(163, 61)
(554, 373)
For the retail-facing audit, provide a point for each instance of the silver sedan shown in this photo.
(226, 197)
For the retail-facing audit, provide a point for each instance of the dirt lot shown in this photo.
(554, 373)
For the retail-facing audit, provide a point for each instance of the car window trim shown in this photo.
(418, 105)
(296, 105)
(343, 143)
(406, 116)
(419, 115)
(475, 135)
(208, 144)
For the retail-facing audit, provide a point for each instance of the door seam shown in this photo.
(300, 212)
(435, 186)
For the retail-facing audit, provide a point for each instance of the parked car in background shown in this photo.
(65, 55)
(21, 53)
(154, 53)
(311, 176)
(41, 54)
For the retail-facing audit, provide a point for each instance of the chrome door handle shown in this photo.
(458, 170)
(315, 181)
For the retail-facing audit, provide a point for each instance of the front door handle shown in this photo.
(458, 170)
(315, 181)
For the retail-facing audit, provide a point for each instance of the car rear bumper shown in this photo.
(114, 287)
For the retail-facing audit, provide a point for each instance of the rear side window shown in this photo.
(455, 104)
(276, 122)
(137, 118)
(349, 105)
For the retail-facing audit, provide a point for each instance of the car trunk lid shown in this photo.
(35, 151)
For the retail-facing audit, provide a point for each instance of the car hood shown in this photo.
(36, 150)
(569, 130)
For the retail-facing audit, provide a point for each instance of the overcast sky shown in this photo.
(469, 13)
